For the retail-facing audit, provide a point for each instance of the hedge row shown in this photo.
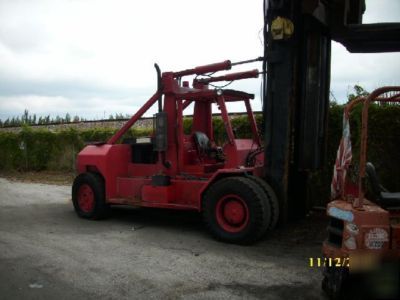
(39, 150)
(46, 150)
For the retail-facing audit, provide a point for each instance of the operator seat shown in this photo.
(202, 142)
(383, 196)
(206, 148)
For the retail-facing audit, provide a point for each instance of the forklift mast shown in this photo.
(297, 58)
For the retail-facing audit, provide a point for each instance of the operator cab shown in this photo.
(210, 151)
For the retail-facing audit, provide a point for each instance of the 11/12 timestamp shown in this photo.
(337, 262)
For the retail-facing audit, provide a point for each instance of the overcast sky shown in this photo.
(94, 58)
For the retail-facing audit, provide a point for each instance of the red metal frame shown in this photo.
(354, 190)
(367, 216)
(374, 96)
(190, 173)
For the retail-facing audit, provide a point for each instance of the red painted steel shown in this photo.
(225, 65)
(230, 77)
(253, 124)
(134, 118)
(232, 213)
(225, 118)
(128, 169)
(85, 198)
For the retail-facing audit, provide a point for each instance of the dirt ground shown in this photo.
(47, 252)
(49, 177)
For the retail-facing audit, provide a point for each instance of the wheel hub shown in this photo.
(85, 198)
(232, 213)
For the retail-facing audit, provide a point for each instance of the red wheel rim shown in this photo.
(232, 213)
(85, 198)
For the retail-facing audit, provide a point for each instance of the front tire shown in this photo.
(235, 210)
(88, 196)
(334, 282)
(271, 197)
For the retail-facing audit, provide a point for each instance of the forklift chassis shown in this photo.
(175, 170)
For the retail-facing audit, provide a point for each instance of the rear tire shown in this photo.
(88, 196)
(235, 210)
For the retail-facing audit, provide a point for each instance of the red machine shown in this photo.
(174, 170)
(363, 234)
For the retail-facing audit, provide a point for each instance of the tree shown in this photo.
(25, 116)
(358, 91)
(119, 116)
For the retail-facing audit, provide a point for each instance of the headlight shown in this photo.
(352, 228)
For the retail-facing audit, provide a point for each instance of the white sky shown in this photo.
(94, 58)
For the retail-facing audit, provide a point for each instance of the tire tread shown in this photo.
(96, 182)
(260, 209)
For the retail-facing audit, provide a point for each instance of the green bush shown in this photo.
(47, 150)
(11, 156)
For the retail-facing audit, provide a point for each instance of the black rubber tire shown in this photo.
(334, 283)
(101, 208)
(271, 198)
(254, 198)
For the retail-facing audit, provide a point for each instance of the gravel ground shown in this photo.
(47, 252)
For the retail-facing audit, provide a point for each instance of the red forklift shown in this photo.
(174, 170)
(363, 243)
(243, 187)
